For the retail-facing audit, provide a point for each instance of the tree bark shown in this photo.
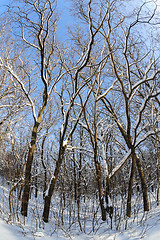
(130, 186)
(158, 184)
(47, 200)
(79, 180)
(100, 190)
(143, 185)
(26, 190)
(44, 167)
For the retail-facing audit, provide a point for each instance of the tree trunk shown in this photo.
(143, 185)
(158, 185)
(109, 206)
(44, 167)
(47, 200)
(26, 188)
(36, 183)
(75, 182)
(130, 186)
(74, 174)
(79, 180)
(100, 190)
(158, 164)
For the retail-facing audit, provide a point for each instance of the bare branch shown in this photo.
(9, 69)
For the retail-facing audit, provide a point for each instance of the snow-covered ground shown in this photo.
(148, 230)
(143, 226)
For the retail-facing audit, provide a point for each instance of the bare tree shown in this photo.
(81, 64)
(134, 76)
(137, 84)
(38, 23)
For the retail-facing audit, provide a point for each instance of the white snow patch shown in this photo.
(65, 143)
(7, 232)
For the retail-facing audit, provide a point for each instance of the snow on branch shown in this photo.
(145, 136)
(128, 154)
(121, 164)
(145, 79)
(27, 42)
(107, 91)
(142, 108)
(14, 75)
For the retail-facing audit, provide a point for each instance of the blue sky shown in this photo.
(63, 8)
(3, 4)
(66, 19)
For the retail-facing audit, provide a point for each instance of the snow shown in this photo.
(7, 232)
(107, 91)
(145, 136)
(121, 163)
(65, 143)
(143, 226)
(149, 229)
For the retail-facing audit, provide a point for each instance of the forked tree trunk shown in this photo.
(47, 200)
(136, 160)
(143, 185)
(130, 186)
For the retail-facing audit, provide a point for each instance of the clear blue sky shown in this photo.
(66, 19)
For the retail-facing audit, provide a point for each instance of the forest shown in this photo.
(79, 112)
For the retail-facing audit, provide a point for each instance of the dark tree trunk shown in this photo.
(109, 208)
(79, 179)
(47, 200)
(158, 185)
(36, 183)
(107, 189)
(130, 186)
(143, 185)
(75, 182)
(26, 188)
(158, 164)
(44, 167)
(100, 190)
